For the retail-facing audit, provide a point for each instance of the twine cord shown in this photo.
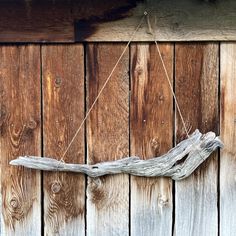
(170, 85)
(110, 75)
(103, 87)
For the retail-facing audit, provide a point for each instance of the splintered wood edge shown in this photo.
(178, 163)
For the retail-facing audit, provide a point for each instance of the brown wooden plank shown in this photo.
(63, 99)
(20, 134)
(197, 92)
(108, 139)
(151, 135)
(228, 134)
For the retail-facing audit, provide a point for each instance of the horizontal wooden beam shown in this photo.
(105, 20)
(170, 20)
(178, 163)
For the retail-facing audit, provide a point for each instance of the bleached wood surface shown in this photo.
(196, 87)
(107, 135)
(178, 163)
(228, 132)
(151, 134)
(20, 194)
(63, 193)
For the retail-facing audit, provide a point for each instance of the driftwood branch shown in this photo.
(178, 163)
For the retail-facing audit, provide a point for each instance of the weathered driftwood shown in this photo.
(178, 163)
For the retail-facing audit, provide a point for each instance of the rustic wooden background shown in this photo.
(45, 91)
(106, 20)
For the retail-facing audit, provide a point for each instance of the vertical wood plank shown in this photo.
(151, 135)
(108, 139)
(63, 98)
(20, 134)
(197, 93)
(228, 134)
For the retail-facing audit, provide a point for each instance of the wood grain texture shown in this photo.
(19, 134)
(63, 111)
(183, 20)
(53, 21)
(196, 81)
(228, 133)
(36, 21)
(108, 139)
(105, 20)
(151, 125)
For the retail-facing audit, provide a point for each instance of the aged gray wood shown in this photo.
(151, 134)
(178, 163)
(20, 196)
(64, 193)
(228, 132)
(107, 135)
(183, 20)
(196, 88)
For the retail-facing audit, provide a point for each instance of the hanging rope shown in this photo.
(103, 87)
(202, 145)
(167, 77)
(171, 87)
(111, 73)
(172, 90)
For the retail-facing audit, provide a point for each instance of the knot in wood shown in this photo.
(60, 143)
(139, 70)
(161, 98)
(56, 187)
(155, 144)
(14, 203)
(58, 82)
(96, 182)
(163, 202)
(32, 124)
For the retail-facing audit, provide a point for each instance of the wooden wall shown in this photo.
(112, 21)
(45, 91)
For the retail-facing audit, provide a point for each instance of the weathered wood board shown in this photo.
(123, 123)
(182, 20)
(63, 111)
(228, 133)
(196, 85)
(107, 138)
(151, 132)
(20, 125)
(105, 20)
(36, 21)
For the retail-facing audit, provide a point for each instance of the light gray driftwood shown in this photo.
(178, 163)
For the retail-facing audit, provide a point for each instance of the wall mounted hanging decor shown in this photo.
(178, 163)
